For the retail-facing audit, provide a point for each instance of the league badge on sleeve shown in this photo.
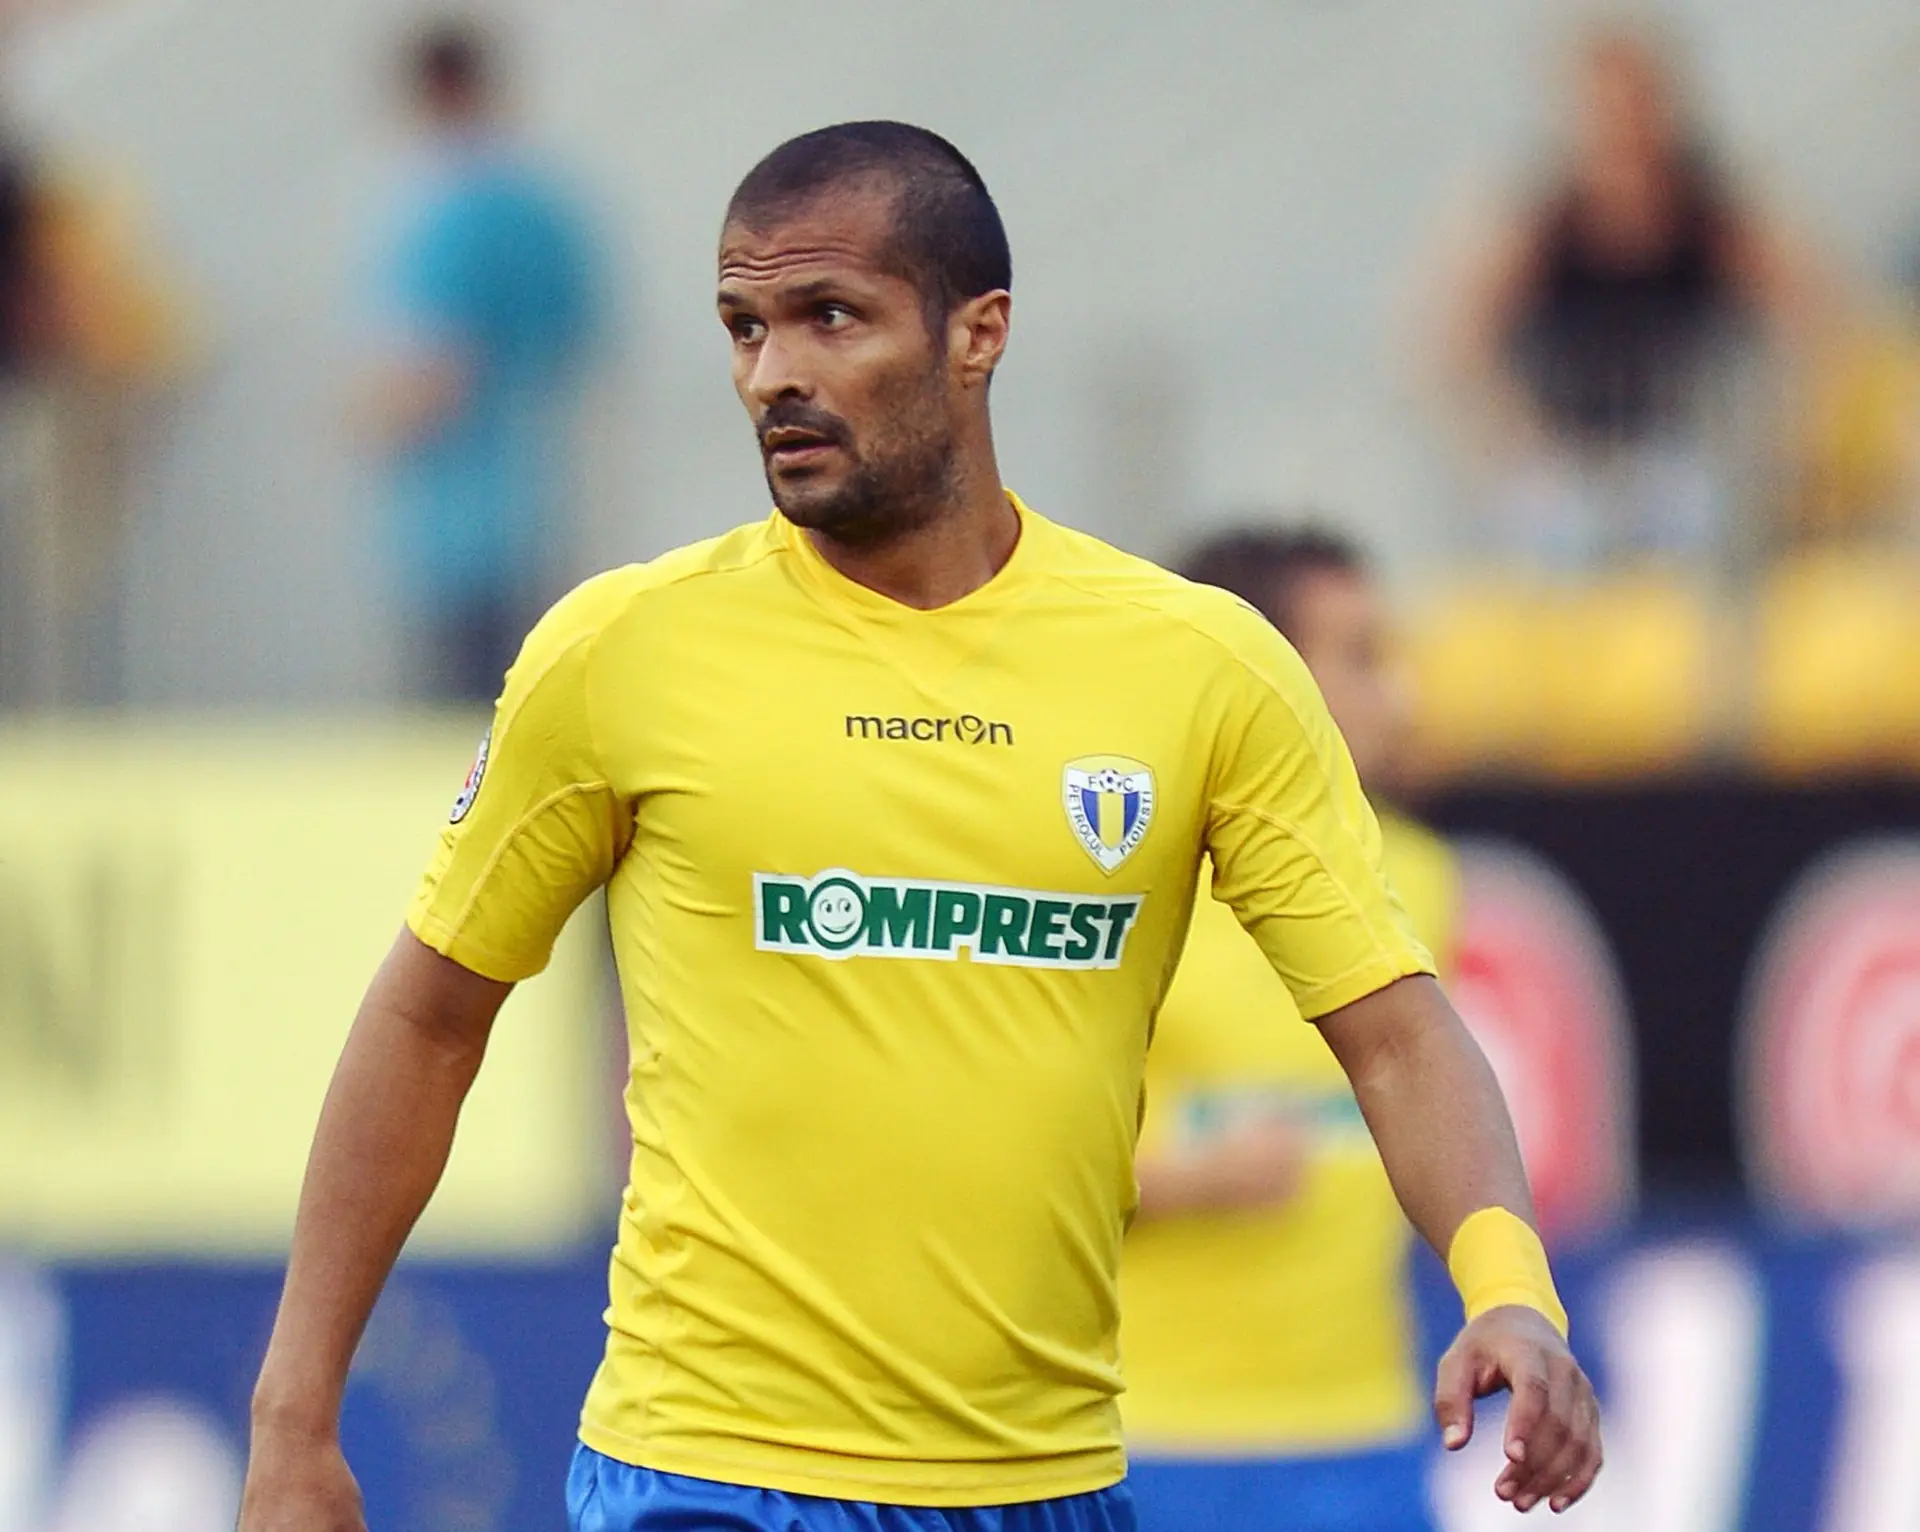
(471, 788)
(1109, 803)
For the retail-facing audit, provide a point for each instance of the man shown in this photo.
(899, 797)
(1586, 338)
(1266, 1327)
(488, 303)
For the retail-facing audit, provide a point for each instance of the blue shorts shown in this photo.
(608, 1496)
(1378, 1491)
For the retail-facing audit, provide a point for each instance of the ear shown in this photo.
(977, 335)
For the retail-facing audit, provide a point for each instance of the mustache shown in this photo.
(797, 415)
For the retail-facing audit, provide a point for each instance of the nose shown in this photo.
(776, 373)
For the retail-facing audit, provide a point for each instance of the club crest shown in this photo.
(1109, 803)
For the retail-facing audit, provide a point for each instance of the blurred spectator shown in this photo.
(1591, 334)
(86, 332)
(488, 303)
(1265, 1314)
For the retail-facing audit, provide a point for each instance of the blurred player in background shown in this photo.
(488, 301)
(1266, 1327)
(899, 795)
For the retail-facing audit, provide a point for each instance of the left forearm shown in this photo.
(1433, 1105)
(1442, 1126)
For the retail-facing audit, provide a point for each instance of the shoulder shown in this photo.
(621, 598)
(1221, 631)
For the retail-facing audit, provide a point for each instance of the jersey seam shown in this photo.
(1198, 631)
(436, 933)
(506, 843)
(508, 715)
(1280, 822)
(1383, 960)
(590, 642)
(634, 597)
(741, 566)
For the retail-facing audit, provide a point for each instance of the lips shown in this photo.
(792, 436)
(786, 439)
(793, 446)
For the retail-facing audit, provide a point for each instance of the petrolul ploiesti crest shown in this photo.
(1109, 803)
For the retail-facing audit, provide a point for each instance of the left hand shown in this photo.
(1553, 1423)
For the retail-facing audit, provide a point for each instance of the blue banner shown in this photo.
(1754, 1383)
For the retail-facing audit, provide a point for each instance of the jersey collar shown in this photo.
(870, 603)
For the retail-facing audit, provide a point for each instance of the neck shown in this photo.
(950, 555)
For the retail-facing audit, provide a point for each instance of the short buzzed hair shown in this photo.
(947, 236)
(1264, 566)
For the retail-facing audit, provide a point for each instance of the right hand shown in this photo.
(1254, 1165)
(299, 1483)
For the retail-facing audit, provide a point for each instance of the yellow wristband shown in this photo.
(1497, 1259)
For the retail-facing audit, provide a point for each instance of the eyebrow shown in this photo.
(818, 287)
(809, 291)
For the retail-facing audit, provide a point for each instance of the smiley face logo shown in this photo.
(837, 913)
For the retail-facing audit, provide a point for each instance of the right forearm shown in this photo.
(378, 1152)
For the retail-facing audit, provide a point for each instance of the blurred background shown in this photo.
(329, 354)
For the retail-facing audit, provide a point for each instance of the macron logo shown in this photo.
(967, 729)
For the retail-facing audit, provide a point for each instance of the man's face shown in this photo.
(853, 398)
(1341, 632)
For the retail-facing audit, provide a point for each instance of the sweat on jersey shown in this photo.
(894, 895)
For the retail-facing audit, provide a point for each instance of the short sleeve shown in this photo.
(1295, 845)
(538, 826)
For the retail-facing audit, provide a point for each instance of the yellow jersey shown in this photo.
(894, 895)
(1284, 1329)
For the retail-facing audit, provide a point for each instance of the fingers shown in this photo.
(1526, 1374)
(1453, 1392)
(1552, 1479)
(1552, 1452)
(1558, 1455)
(1587, 1466)
(1550, 1435)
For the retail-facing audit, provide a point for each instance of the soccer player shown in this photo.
(899, 796)
(1265, 1319)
